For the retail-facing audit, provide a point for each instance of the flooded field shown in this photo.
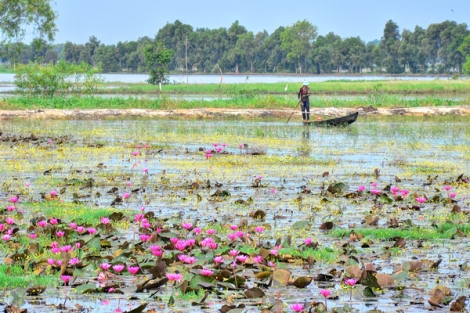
(251, 216)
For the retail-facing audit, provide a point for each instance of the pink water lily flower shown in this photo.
(187, 226)
(421, 200)
(297, 307)
(174, 277)
(218, 259)
(242, 258)
(133, 269)
(118, 267)
(206, 272)
(190, 260)
(105, 266)
(42, 224)
(350, 282)
(144, 237)
(65, 278)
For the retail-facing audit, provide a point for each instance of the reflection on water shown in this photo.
(304, 148)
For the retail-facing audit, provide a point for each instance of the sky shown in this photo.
(112, 21)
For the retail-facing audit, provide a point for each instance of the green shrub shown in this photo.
(62, 78)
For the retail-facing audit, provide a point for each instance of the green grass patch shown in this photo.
(327, 87)
(444, 231)
(70, 212)
(18, 278)
(268, 102)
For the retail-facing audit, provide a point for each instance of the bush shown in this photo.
(49, 80)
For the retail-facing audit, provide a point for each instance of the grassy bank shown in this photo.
(239, 102)
(437, 86)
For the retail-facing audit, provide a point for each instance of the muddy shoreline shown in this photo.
(222, 113)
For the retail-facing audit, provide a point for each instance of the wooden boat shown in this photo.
(339, 121)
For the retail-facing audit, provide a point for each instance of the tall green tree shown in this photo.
(464, 49)
(276, 56)
(354, 52)
(297, 41)
(157, 58)
(466, 66)
(16, 15)
(325, 50)
(390, 44)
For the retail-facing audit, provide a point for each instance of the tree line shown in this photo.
(440, 48)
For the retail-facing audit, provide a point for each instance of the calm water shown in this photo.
(242, 78)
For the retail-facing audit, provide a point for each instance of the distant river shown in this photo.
(241, 78)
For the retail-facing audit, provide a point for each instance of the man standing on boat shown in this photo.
(303, 94)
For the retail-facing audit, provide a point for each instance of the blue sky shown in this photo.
(120, 20)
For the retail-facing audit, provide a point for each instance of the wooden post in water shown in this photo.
(187, 82)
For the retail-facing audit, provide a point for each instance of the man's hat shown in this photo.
(305, 83)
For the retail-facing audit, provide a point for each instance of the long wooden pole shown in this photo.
(294, 111)
(186, 59)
